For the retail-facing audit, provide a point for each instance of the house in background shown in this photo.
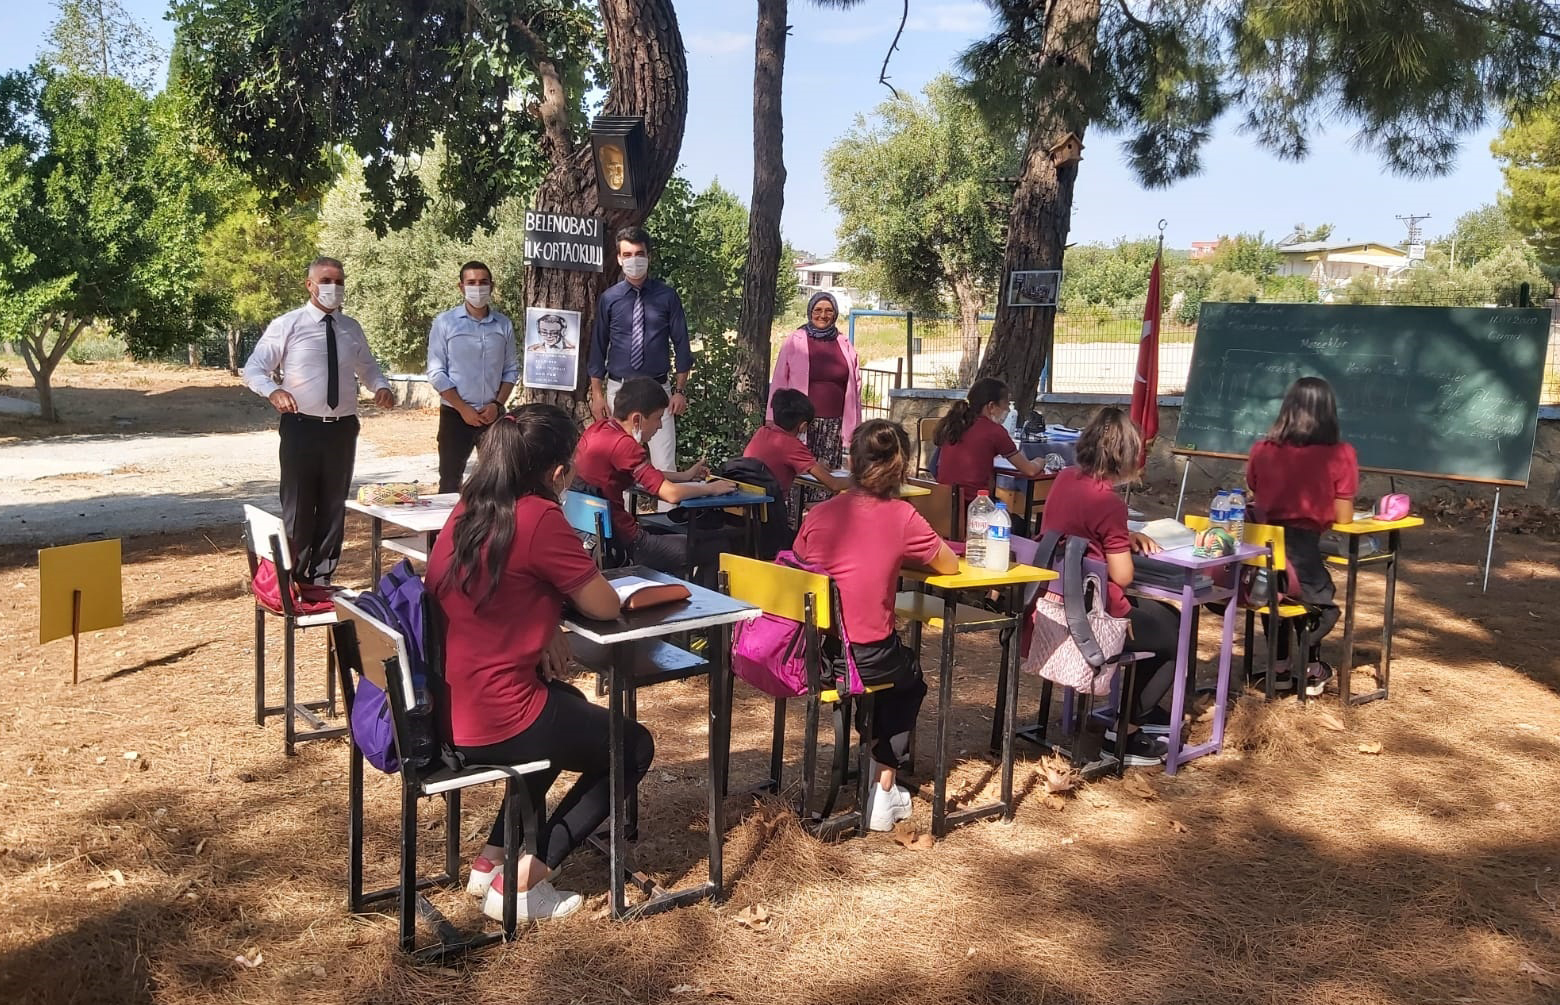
(1332, 264)
(833, 277)
(1203, 250)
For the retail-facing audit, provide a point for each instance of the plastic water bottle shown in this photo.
(1219, 512)
(999, 539)
(977, 521)
(1236, 514)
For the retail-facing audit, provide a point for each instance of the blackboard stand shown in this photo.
(1489, 547)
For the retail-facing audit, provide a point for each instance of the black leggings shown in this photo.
(1156, 628)
(1308, 576)
(893, 711)
(572, 734)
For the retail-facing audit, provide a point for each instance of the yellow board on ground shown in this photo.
(91, 568)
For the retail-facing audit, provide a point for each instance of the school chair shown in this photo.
(812, 601)
(1288, 618)
(266, 547)
(937, 507)
(371, 650)
(926, 445)
(1067, 555)
(591, 516)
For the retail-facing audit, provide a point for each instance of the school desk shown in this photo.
(1389, 557)
(423, 518)
(1192, 598)
(1007, 479)
(906, 491)
(954, 619)
(749, 502)
(630, 650)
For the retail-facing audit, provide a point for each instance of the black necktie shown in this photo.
(332, 367)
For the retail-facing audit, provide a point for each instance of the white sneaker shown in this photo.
(540, 903)
(884, 809)
(483, 873)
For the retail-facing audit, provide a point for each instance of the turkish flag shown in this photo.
(1145, 383)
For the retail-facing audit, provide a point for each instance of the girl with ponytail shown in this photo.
(501, 572)
(970, 438)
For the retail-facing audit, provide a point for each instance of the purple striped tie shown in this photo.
(636, 351)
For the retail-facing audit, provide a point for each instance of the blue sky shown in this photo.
(831, 76)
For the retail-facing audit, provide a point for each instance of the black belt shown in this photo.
(320, 418)
(659, 380)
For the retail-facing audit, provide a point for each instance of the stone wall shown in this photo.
(909, 405)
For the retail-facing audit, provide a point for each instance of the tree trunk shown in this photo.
(762, 274)
(649, 78)
(1021, 339)
(966, 295)
(41, 360)
(232, 349)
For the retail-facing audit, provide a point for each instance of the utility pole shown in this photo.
(1416, 247)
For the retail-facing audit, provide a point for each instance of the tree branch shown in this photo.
(554, 106)
(892, 48)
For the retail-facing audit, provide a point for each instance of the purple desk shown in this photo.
(1191, 598)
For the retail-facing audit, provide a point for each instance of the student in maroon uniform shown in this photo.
(502, 574)
(779, 445)
(1083, 503)
(970, 438)
(611, 458)
(862, 537)
(1303, 478)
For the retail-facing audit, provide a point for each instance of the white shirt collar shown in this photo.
(315, 313)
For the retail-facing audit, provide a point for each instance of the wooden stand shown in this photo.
(75, 636)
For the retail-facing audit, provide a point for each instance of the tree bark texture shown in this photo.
(1042, 204)
(761, 275)
(966, 295)
(649, 78)
(42, 360)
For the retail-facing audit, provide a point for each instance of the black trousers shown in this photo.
(893, 711)
(317, 460)
(456, 441)
(1308, 576)
(666, 552)
(572, 734)
(1156, 628)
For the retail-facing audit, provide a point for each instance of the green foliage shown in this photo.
(1362, 289)
(283, 83)
(1233, 287)
(1249, 254)
(714, 426)
(105, 207)
(1482, 233)
(398, 282)
(1112, 276)
(914, 187)
(1300, 233)
(99, 38)
(1529, 149)
(255, 256)
(1289, 289)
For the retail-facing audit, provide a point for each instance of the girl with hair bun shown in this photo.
(862, 537)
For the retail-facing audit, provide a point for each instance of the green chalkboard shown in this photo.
(1450, 392)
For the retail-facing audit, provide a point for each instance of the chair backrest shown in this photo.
(1262, 535)
(266, 537)
(587, 514)
(378, 653)
(926, 431)
(778, 589)
(936, 507)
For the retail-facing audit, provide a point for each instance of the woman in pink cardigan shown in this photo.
(817, 362)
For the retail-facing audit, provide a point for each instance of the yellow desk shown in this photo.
(905, 491)
(1389, 557)
(952, 619)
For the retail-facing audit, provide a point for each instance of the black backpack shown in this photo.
(775, 534)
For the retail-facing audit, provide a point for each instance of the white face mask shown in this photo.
(636, 266)
(479, 296)
(329, 295)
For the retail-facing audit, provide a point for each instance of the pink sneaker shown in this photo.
(483, 873)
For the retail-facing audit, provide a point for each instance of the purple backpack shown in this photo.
(399, 604)
(770, 652)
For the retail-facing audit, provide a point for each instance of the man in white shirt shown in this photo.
(473, 365)
(321, 355)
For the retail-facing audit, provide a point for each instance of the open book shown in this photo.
(1169, 533)
(636, 593)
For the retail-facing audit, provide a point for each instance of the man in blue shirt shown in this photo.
(473, 365)
(640, 331)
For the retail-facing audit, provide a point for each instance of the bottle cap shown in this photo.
(1002, 505)
(982, 492)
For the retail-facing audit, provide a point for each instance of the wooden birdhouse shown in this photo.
(1068, 150)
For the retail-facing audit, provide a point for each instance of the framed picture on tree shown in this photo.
(1034, 289)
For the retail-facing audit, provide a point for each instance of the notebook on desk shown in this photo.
(1168, 533)
(636, 593)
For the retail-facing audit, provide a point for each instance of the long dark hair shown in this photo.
(879, 457)
(518, 455)
(1308, 415)
(1109, 446)
(984, 392)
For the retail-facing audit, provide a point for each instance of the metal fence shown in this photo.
(1095, 348)
(211, 350)
(875, 385)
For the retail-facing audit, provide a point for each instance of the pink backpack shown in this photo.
(770, 652)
